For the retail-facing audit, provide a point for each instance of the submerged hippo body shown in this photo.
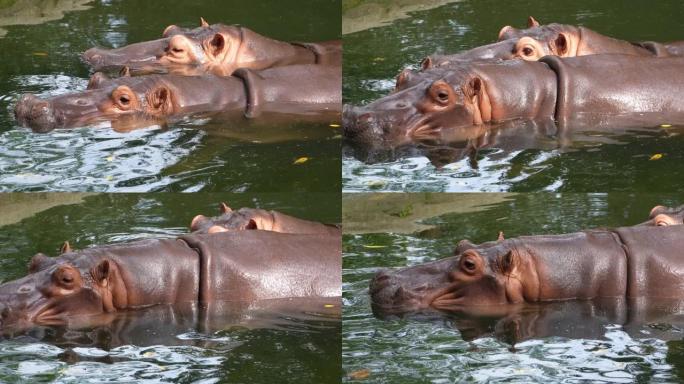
(577, 89)
(244, 266)
(258, 219)
(218, 49)
(296, 89)
(627, 262)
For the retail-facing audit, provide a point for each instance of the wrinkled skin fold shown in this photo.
(631, 262)
(296, 89)
(233, 266)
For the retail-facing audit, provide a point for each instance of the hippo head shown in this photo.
(491, 274)
(538, 41)
(57, 289)
(423, 104)
(229, 220)
(663, 216)
(144, 98)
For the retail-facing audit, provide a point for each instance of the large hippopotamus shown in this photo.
(630, 262)
(231, 266)
(591, 89)
(258, 219)
(218, 49)
(294, 89)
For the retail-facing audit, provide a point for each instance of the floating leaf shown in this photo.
(369, 246)
(657, 156)
(360, 374)
(376, 59)
(148, 354)
(665, 125)
(376, 183)
(301, 160)
(40, 54)
(109, 178)
(329, 305)
(335, 125)
(110, 158)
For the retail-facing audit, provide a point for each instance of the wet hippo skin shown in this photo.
(258, 219)
(631, 262)
(295, 89)
(231, 266)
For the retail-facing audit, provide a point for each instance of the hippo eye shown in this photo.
(443, 95)
(469, 265)
(527, 51)
(176, 50)
(124, 99)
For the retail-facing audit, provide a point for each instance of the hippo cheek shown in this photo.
(57, 311)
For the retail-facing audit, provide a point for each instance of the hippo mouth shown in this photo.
(368, 127)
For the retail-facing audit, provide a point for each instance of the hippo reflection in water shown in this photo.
(296, 89)
(643, 261)
(241, 266)
(218, 49)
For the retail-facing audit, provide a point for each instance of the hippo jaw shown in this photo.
(475, 278)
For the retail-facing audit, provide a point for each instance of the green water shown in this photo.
(523, 160)
(160, 344)
(574, 341)
(190, 155)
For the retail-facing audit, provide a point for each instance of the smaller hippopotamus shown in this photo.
(241, 266)
(259, 219)
(218, 49)
(661, 216)
(564, 40)
(295, 89)
(628, 262)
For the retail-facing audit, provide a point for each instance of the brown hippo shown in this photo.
(568, 40)
(596, 89)
(232, 266)
(259, 219)
(631, 262)
(295, 89)
(218, 49)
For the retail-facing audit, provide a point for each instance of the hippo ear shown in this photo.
(225, 208)
(96, 80)
(503, 32)
(38, 262)
(101, 272)
(66, 248)
(507, 263)
(426, 63)
(655, 211)
(252, 224)
(402, 78)
(125, 71)
(501, 236)
(560, 44)
(170, 30)
(477, 93)
(532, 22)
(203, 23)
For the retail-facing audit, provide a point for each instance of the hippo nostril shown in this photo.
(24, 289)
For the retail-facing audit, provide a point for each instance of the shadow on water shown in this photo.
(607, 340)
(530, 156)
(221, 153)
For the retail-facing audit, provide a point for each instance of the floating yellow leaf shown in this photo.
(148, 354)
(360, 374)
(329, 305)
(301, 160)
(657, 156)
(110, 158)
(109, 178)
(335, 125)
(374, 246)
(665, 125)
(379, 59)
(40, 54)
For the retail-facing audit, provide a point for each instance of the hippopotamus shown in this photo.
(661, 216)
(564, 40)
(258, 219)
(218, 49)
(295, 89)
(229, 266)
(629, 262)
(573, 89)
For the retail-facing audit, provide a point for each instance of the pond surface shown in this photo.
(267, 341)
(573, 341)
(194, 154)
(517, 157)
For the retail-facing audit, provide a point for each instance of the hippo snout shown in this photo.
(389, 295)
(31, 111)
(93, 57)
(361, 126)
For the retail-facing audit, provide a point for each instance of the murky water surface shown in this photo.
(575, 341)
(520, 157)
(193, 154)
(269, 341)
